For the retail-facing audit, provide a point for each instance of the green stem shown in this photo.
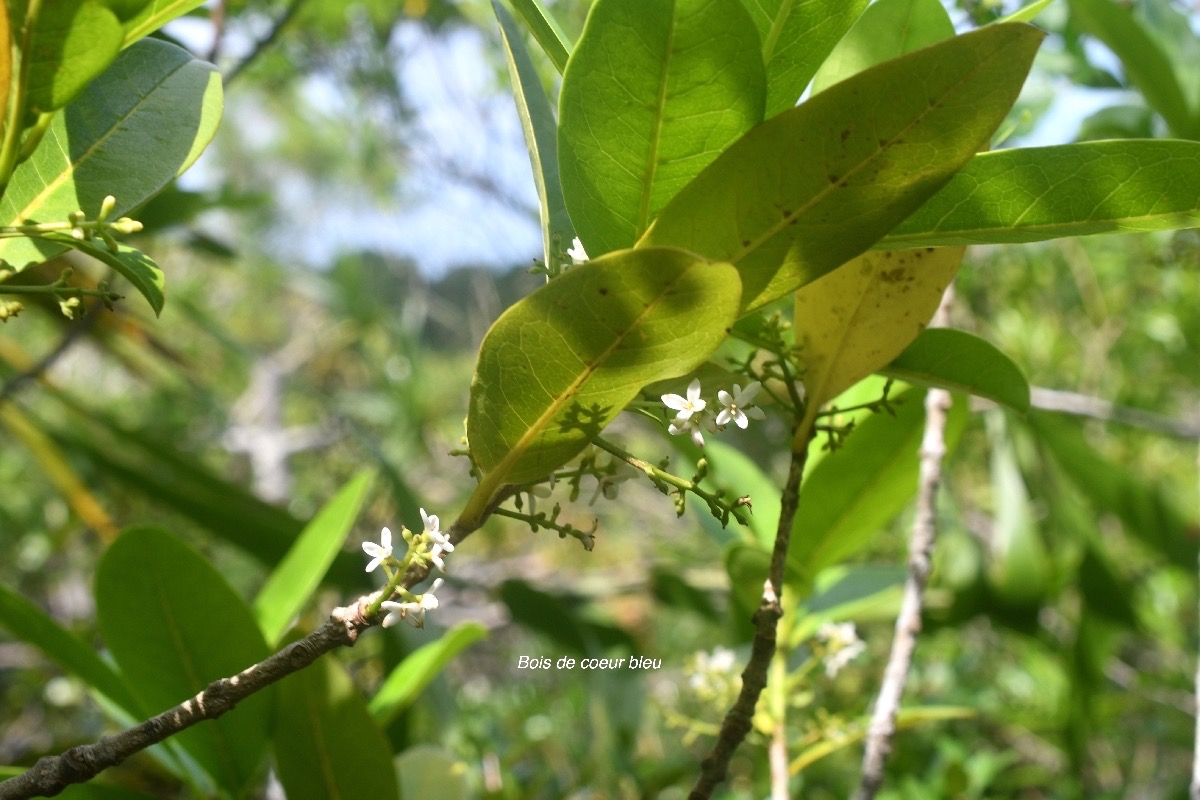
(10, 145)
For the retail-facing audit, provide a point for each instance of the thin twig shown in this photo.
(920, 562)
(51, 774)
(1083, 405)
(738, 720)
(1194, 794)
(73, 334)
(262, 44)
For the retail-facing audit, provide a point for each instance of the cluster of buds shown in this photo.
(693, 416)
(84, 229)
(427, 547)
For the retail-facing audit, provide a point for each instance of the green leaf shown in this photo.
(856, 490)
(430, 771)
(547, 32)
(1145, 510)
(72, 42)
(1037, 193)
(561, 616)
(541, 135)
(854, 320)
(136, 127)
(327, 746)
(1019, 569)
(852, 586)
(1145, 64)
(652, 94)
(962, 362)
(143, 17)
(136, 267)
(1027, 13)
(30, 624)
(817, 185)
(887, 29)
(561, 364)
(293, 581)
(419, 668)
(174, 625)
(796, 37)
(734, 471)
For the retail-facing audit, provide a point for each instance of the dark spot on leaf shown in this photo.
(604, 291)
(745, 242)
(928, 249)
(892, 275)
(728, 330)
(833, 178)
(845, 134)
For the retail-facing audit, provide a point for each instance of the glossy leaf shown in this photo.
(72, 43)
(1029, 12)
(142, 17)
(410, 677)
(796, 37)
(856, 319)
(28, 623)
(136, 127)
(963, 363)
(887, 29)
(1144, 509)
(856, 490)
(173, 626)
(1037, 193)
(1144, 63)
(545, 30)
(292, 583)
(652, 94)
(817, 185)
(561, 364)
(326, 744)
(541, 139)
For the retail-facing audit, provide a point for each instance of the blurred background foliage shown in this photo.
(333, 262)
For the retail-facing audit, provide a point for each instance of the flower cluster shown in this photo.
(693, 417)
(842, 645)
(427, 547)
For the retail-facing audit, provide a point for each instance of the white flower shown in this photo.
(576, 251)
(412, 613)
(690, 425)
(843, 645)
(440, 541)
(738, 406)
(685, 407)
(379, 552)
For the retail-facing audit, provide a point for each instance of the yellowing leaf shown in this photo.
(859, 317)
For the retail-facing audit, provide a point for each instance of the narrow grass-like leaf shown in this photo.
(545, 30)
(30, 624)
(1019, 568)
(964, 363)
(796, 37)
(906, 718)
(887, 29)
(1144, 509)
(293, 581)
(326, 744)
(652, 94)
(174, 625)
(541, 139)
(1037, 193)
(854, 320)
(130, 132)
(817, 185)
(860, 487)
(418, 668)
(1145, 64)
(72, 42)
(558, 366)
